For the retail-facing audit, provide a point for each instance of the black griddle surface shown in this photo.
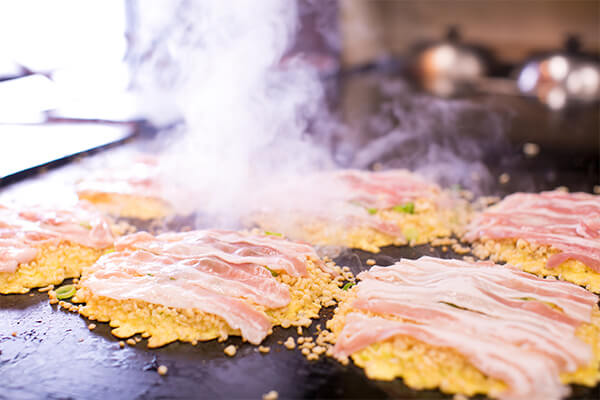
(55, 356)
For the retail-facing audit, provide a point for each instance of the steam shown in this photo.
(445, 140)
(245, 115)
(216, 66)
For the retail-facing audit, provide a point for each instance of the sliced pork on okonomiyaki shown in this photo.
(469, 328)
(202, 285)
(360, 209)
(129, 190)
(550, 233)
(43, 246)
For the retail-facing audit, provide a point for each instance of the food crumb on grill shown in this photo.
(562, 189)
(504, 178)
(121, 344)
(230, 350)
(264, 349)
(162, 370)
(597, 189)
(370, 261)
(14, 334)
(91, 327)
(459, 249)
(289, 343)
(299, 330)
(46, 288)
(272, 395)
(131, 342)
(137, 339)
(531, 149)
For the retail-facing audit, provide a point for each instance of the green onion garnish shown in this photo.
(408, 208)
(65, 292)
(372, 211)
(274, 273)
(149, 274)
(410, 234)
(273, 234)
(348, 286)
(85, 225)
(109, 251)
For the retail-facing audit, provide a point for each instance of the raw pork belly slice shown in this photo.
(360, 209)
(202, 285)
(482, 328)
(43, 246)
(550, 233)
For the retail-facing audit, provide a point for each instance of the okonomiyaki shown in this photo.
(550, 233)
(132, 190)
(202, 285)
(361, 209)
(470, 328)
(42, 246)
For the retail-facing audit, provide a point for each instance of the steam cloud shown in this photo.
(216, 66)
(444, 140)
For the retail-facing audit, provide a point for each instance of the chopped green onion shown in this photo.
(149, 274)
(410, 233)
(408, 208)
(85, 225)
(274, 273)
(65, 292)
(273, 234)
(109, 251)
(348, 286)
(372, 211)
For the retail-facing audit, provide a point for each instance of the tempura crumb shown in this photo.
(370, 261)
(230, 350)
(272, 395)
(46, 288)
(289, 343)
(264, 349)
(162, 370)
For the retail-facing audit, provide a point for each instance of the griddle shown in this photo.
(55, 356)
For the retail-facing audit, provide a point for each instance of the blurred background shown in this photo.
(495, 96)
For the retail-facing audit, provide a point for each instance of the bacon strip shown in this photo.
(231, 247)
(342, 199)
(385, 189)
(569, 222)
(22, 231)
(537, 379)
(139, 178)
(216, 271)
(244, 280)
(497, 317)
(176, 283)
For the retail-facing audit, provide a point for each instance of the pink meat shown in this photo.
(569, 222)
